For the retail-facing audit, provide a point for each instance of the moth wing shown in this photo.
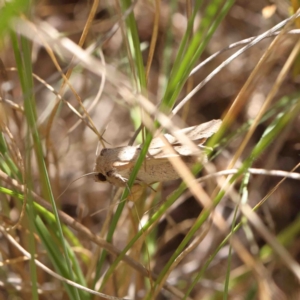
(122, 164)
(156, 170)
(199, 133)
(158, 142)
(180, 150)
(160, 169)
(202, 131)
(127, 154)
(126, 157)
(157, 160)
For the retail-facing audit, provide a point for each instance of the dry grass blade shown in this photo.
(84, 71)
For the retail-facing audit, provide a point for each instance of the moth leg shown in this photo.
(140, 182)
(150, 187)
(135, 192)
(137, 189)
(121, 177)
(206, 148)
(117, 176)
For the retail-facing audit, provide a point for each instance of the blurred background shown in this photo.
(70, 149)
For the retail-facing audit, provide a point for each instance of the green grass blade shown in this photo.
(10, 10)
(125, 195)
(209, 24)
(24, 67)
(135, 45)
(54, 253)
(270, 134)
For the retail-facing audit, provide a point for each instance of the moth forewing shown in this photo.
(115, 165)
(198, 134)
(202, 131)
(157, 170)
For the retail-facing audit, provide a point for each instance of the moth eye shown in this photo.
(103, 151)
(101, 177)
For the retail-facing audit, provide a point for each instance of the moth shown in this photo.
(114, 165)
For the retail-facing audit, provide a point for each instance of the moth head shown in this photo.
(99, 168)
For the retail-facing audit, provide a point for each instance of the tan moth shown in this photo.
(115, 164)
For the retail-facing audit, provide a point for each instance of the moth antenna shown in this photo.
(84, 175)
(106, 208)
